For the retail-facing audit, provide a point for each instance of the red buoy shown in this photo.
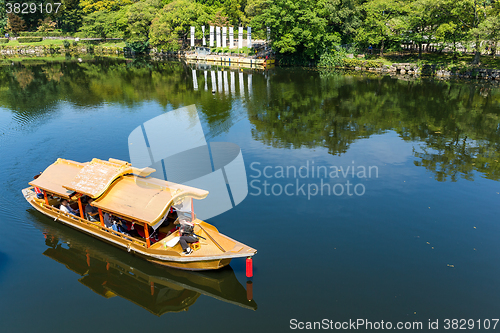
(249, 267)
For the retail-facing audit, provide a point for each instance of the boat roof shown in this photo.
(116, 188)
(144, 199)
(96, 176)
(56, 175)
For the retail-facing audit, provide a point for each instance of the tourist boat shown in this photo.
(133, 197)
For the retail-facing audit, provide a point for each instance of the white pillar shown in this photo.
(217, 35)
(192, 36)
(195, 80)
(249, 37)
(240, 37)
(204, 43)
(232, 83)
(211, 36)
(214, 86)
(231, 38)
(224, 36)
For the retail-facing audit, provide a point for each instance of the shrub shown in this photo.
(361, 63)
(75, 43)
(66, 44)
(4, 40)
(29, 39)
(93, 41)
(138, 46)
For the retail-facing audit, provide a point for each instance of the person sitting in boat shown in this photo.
(65, 207)
(108, 220)
(91, 212)
(186, 232)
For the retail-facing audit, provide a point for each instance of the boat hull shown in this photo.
(159, 257)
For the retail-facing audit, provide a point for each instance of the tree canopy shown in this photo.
(306, 29)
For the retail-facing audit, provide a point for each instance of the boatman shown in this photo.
(186, 231)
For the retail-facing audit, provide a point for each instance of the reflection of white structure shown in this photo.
(214, 87)
(195, 80)
(233, 88)
(219, 80)
(249, 85)
(217, 167)
(211, 36)
(240, 37)
(231, 38)
(226, 85)
(242, 85)
(226, 81)
(217, 35)
(224, 36)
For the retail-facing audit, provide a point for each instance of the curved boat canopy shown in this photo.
(56, 175)
(116, 188)
(146, 200)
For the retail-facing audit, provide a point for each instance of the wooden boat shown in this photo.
(157, 289)
(129, 194)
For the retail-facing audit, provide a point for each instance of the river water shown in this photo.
(369, 198)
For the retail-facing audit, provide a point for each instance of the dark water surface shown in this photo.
(412, 235)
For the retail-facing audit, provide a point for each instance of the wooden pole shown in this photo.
(192, 210)
(81, 207)
(146, 233)
(46, 198)
(100, 217)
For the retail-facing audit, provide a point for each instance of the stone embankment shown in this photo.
(409, 69)
(44, 50)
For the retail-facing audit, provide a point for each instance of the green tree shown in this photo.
(297, 27)
(15, 24)
(90, 6)
(383, 23)
(422, 19)
(104, 24)
(170, 28)
(70, 16)
(3, 17)
(344, 17)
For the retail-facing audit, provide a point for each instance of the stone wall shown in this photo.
(45, 50)
(409, 69)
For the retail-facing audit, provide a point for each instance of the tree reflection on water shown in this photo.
(455, 125)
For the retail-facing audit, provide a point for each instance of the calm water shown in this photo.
(416, 239)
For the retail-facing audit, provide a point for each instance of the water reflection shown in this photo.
(110, 273)
(455, 125)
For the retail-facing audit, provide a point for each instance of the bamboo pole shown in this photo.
(100, 217)
(146, 233)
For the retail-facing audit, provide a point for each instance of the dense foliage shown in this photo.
(307, 30)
